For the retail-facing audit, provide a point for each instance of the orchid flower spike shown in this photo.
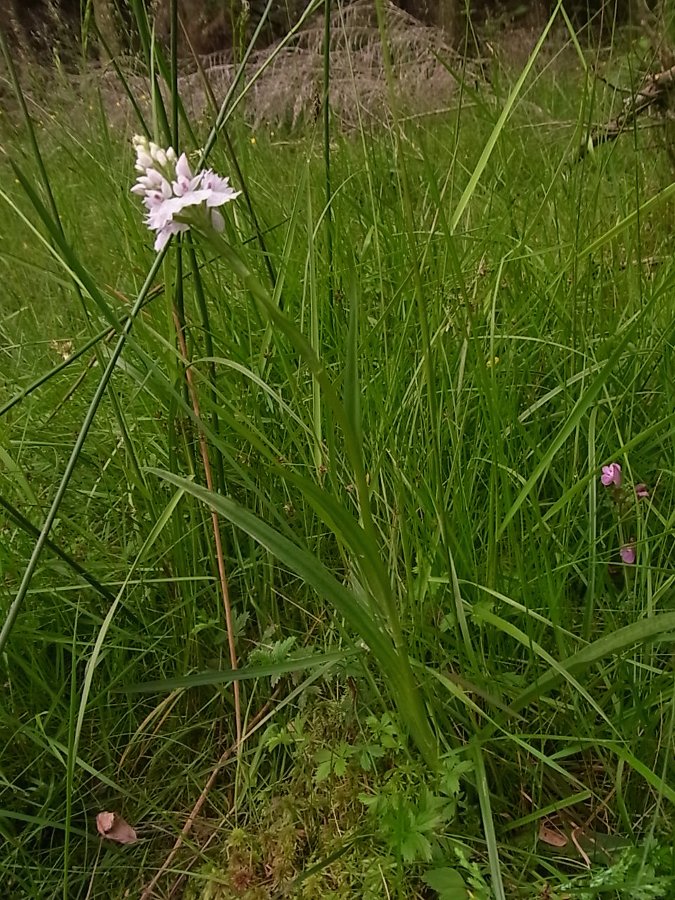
(173, 196)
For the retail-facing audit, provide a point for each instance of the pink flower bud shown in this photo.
(611, 474)
(627, 554)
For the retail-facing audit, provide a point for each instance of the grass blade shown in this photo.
(499, 126)
(227, 676)
(488, 823)
(609, 645)
(16, 604)
(348, 606)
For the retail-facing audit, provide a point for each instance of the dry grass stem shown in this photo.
(197, 808)
(222, 574)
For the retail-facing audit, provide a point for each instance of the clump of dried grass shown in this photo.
(290, 88)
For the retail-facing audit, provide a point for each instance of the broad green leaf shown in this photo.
(300, 561)
(448, 884)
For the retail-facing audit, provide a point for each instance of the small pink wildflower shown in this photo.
(611, 474)
(627, 554)
(641, 491)
(169, 189)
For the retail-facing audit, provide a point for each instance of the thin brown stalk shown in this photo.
(222, 574)
(197, 808)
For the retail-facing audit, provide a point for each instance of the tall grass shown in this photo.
(371, 418)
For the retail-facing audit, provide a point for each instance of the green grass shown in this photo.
(406, 432)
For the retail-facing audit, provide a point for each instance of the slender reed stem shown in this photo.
(29, 528)
(190, 821)
(202, 306)
(231, 152)
(326, 147)
(222, 574)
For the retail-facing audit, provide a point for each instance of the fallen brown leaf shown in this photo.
(115, 828)
(552, 838)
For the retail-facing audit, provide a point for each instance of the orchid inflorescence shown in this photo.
(174, 197)
(612, 478)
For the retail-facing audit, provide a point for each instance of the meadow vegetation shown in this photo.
(406, 362)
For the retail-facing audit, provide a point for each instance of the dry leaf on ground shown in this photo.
(115, 828)
(551, 837)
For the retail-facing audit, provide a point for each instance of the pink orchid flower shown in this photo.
(173, 195)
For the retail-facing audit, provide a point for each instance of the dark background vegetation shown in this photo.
(219, 25)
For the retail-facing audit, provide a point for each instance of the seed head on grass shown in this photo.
(174, 197)
(611, 474)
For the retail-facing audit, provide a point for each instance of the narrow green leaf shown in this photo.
(352, 390)
(659, 785)
(635, 216)
(93, 660)
(499, 126)
(517, 634)
(227, 676)
(488, 823)
(67, 257)
(580, 409)
(391, 659)
(16, 604)
(609, 645)
(545, 811)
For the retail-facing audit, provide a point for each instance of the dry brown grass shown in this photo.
(288, 89)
